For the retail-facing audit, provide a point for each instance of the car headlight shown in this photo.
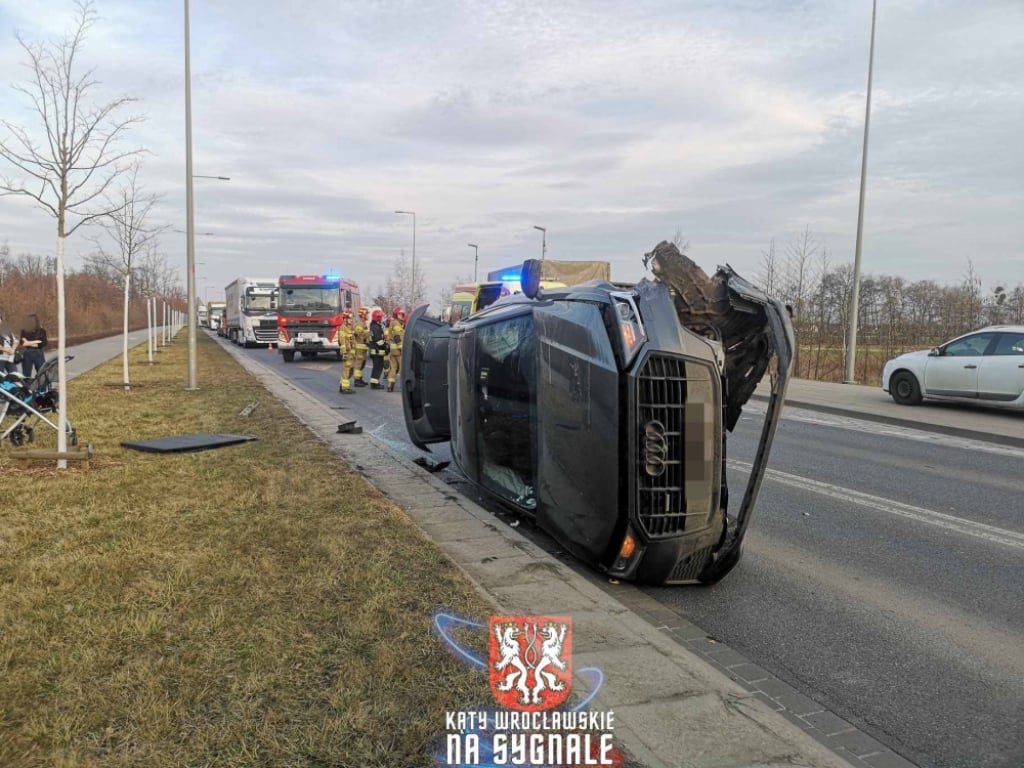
(631, 329)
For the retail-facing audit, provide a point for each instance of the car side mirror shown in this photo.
(529, 279)
(936, 352)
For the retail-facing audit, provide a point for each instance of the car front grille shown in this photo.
(661, 398)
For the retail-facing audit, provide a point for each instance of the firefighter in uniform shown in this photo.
(395, 332)
(378, 348)
(347, 340)
(360, 334)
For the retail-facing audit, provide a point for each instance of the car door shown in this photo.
(424, 375)
(954, 371)
(1001, 376)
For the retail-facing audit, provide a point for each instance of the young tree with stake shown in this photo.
(69, 159)
(127, 225)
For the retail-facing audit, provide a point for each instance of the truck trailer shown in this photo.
(251, 311)
(309, 311)
(214, 316)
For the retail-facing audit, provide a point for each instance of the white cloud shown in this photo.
(612, 124)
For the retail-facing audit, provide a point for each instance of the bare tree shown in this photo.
(680, 241)
(398, 290)
(444, 298)
(127, 225)
(69, 170)
(768, 274)
(154, 275)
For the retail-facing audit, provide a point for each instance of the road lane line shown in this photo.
(922, 435)
(920, 514)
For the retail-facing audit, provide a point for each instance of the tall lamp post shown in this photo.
(412, 294)
(851, 339)
(476, 257)
(190, 248)
(190, 244)
(543, 241)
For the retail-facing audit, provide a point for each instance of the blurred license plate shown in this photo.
(308, 337)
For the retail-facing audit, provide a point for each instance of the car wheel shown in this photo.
(904, 388)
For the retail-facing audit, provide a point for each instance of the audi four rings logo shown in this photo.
(655, 448)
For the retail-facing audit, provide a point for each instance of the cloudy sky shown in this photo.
(612, 124)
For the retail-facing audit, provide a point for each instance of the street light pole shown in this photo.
(476, 258)
(851, 340)
(412, 294)
(543, 241)
(190, 247)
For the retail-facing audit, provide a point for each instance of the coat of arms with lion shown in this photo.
(531, 661)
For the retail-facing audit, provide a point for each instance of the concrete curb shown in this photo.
(972, 434)
(672, 708)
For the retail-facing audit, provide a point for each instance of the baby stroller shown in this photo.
(25, 403)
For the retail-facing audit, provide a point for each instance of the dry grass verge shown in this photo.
(257, 605)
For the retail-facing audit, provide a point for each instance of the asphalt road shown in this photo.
(882, 576)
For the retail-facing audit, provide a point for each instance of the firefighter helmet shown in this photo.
(398, 312)
(377, 316)
(363, 312)
(346, 315)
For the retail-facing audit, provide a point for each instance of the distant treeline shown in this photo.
(94, 294)
(895, 315)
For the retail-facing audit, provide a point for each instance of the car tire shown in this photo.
(904, 388)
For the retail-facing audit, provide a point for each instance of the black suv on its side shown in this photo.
(601, 410)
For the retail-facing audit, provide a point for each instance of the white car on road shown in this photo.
(984, 367)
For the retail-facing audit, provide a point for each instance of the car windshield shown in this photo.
(505, 403)
(309, 299)
(259, 304)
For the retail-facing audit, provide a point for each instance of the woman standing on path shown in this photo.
(33, 342)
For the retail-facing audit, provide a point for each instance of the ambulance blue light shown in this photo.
(511, 277)
(332, 277)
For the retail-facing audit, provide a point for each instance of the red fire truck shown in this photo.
(309, 311)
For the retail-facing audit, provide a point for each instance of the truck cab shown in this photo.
(309, 309)
(251, 311)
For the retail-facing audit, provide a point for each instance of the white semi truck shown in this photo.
(251, 311)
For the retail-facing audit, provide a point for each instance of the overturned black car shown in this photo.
(601, 410)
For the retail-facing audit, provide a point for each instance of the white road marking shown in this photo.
(939, 519)
(793, 413)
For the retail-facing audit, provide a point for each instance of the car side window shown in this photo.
(506, 407)
(1010, 344)
(970, 346)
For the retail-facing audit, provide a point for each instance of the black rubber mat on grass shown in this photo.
(203, 441)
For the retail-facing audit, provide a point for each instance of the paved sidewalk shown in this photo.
(872, 404)
(93, 354)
